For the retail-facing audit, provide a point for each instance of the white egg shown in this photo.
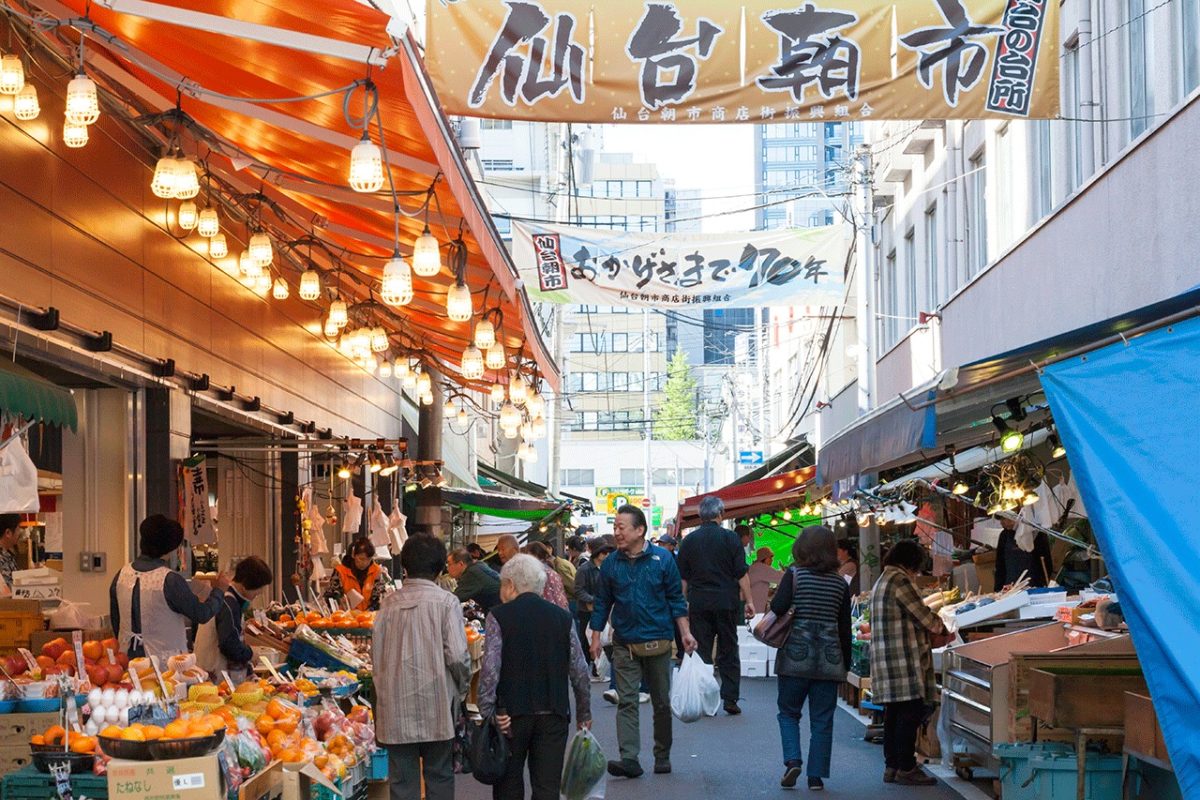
(109, 697)
(136, 699)
(122, 718)
(94, 697)
(122, 698)
(90, 728)
(100, 715)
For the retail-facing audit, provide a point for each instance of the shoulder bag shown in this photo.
(774, 630)
(489, 752)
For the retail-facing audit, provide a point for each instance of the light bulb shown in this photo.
(509, 433)
(527, 431)
(397, 288)
(1030, 499)
(424, 384)
(188, 217)
(472, 363)
(370, 364)
(248, 266)
(385, 369)
(1011, 441)
(427, 256)
(408, 382)
(217, 246)
(518, 390)
(25, 104)
(260, 249)
(330, 329)
(379, 340)
(463, 417)
(262, 283)
(485, 334)
(427, 399)
(208, 224)
(401, 369)
(310, 285)
(165, 178)
(495, 358)
(498, 393)
(12, 74)
(459, 307)
(510, 417)
(366, 166)
(536, 405)
(338, 313)
(539, 428)
(75, 135)
(280, 290)
(83, 104)
(449, 411)
(187, 181)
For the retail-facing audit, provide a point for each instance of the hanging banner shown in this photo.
(198, 525)
(708, 61)
(568, 264)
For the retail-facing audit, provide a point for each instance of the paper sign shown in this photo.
(30, 661)
(193, 781)
(228, 681)
(136, 680)
(112, 657)
(271, 668)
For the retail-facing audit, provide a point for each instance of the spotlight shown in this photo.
(1011, 440)
(390, 466)
(344, 470)
(1029, 499)
(1056, 448)
(959, 486)
(376, 464)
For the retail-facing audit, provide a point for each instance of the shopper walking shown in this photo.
(902, 661)
(713, 567)
(419, 636)
(474, 579)
(555, 592)
(762, 577)
(531, 654)
(640, 589)
(813, 663)
(586, 578)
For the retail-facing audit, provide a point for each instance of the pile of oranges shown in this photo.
(338, 619)
(56, 735)
(194, 728)
(278, 727)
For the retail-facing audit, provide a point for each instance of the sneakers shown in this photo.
(643, 697)
(599, 679)
(732, 709)
(611, 696)
(625, 769)
(662, 766)
(788, 781)
(915, 777)
(889, 775)
(816, 784)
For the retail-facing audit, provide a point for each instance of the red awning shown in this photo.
(775, 493)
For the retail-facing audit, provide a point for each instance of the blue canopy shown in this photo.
(1129, 416)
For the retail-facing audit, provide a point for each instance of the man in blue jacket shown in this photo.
(640, 588)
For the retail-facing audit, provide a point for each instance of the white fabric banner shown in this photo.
(198, 525)
(569, 264)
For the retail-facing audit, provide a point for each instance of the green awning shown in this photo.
(26, 395)
(494, 504)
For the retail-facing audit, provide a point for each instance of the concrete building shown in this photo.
(797, 162)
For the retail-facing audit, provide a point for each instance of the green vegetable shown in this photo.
(583, 767)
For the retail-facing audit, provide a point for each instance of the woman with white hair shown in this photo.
(531, 653)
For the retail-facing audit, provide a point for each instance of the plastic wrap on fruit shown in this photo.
(248, 751)
(362, 733)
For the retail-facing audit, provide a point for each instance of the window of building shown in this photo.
(645, 188)
(1141, 61)
(649, 223)
(977, 214)
(1072, 68)
(1006, 173)
(499, 165)
(1189, 32)
(496, 124)
(912, 299)
(1045, 169)
(620, 342)
(632, 478)
(591, 420)
(888, 302)
(663, 477)
(579, 477)
(575, 382)
(589, 381)
(933, 247)
(583, 343)
(503, 227)
(689, 476)
(620, 381)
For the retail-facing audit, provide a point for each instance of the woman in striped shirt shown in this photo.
(814, 660)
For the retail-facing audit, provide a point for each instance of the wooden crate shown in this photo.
(1143, 735)
(1020, 719)
(19, 620)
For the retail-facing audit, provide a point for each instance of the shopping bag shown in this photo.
(18, 480)
(584, 768)
(489, 752)
(603, 667)
(695, 691)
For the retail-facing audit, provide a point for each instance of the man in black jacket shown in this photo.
(586, 577)
(250, 578)
(713, 567)
(476, 580)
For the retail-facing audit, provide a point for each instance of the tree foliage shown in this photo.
(677, 418)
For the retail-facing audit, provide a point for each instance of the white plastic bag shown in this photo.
(18, 480)
(583, 775)
(695, 691)
(602, 666)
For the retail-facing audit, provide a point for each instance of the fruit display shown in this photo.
(338, 620)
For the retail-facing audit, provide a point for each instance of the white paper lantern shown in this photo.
(427, 256)
(25, 104)
(339, 314)
(496, 358)
(459, 307)
(166, 176)
(379, 340)
(280, 289)
(12, 74)
(310, 285)
(248, 266)
(366, 166)
(218, 247)
(499, 392)
(189, 215)
(397, 287)
(472, 363)
(485, 334)
(209, 223)
(83, 103)
(187, 180)
(75, 134)
(260, 249)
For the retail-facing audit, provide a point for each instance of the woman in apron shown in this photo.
(220, 646)
(359, 573)
(152, 604)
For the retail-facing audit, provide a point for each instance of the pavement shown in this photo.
(739, 757)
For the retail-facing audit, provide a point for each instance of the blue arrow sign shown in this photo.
(750, 458)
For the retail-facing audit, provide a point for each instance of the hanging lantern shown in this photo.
(385, 369)
(427, 399)
(217, 246)
(379, 340)
(187, 181)
(330, 329)
(360, 340)
(280, 290)
(188, 217)
(208, 224)
(397, 289)
(262, 284)
(449, 411)
(338, 313)
(463, 417)
(427, 256)
(510, 417)
(25, 104)
(310, 285)
(260, 249)
(539, 429)
(472, 363)
(527, 431)
(248, 266)
(75, 135)
(485, 334)
(498, 393)
(12, 74)
(531, 456)
(459, 307)
(401, 369)
(496, 358)
(536, 405)
(371, 365)
(518, 390)
(83, 104)
(509, 433)
(345, 345)
(249, 281)
(408, 382)
(165, 178)
(424, 384)
(366, 166)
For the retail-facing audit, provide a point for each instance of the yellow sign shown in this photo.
(615, 498)
(711, 61)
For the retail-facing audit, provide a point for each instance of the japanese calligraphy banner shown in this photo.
(198, 527)
(707, 61)
(567, 264)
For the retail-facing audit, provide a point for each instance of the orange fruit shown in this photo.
(152, 733)
(93, 650)
(287, 724)
(276, 738)
(83, 744)
(38, 739)
(55, 734)
(133, 735)
(290, 755)
(264, 724)
(198, 728)
(276, 709)
(112, 732)
(321, 761)
(176, 730)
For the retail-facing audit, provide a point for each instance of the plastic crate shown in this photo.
(320, 792)
(1016, 767)
(29, 784)
(379, 765)
(304, 653)
(1049, 772)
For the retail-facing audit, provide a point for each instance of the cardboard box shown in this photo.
(178, 779)
(297, 784)
(266, 784)
(19, 727)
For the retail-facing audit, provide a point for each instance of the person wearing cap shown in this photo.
(586, 578)
(151, 604)
(762, 576)
(667, 542)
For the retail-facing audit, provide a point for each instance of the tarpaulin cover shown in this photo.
(24, 394)
(893, 431)
(1128, 417)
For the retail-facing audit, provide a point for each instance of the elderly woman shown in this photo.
(902, 661)
(530, 656)
(554, 591)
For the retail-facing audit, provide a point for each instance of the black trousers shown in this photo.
(901, 721)
(582, 620)
(542, 739)
(719, 627)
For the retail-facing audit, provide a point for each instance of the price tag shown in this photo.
(30, 661)
(228, 681)
(192, 781)
(80, 671)
(112, 657)
(137, 681)
(271, 668)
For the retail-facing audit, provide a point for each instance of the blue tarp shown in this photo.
(1129, 416)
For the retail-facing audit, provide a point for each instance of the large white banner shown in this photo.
(569, 264)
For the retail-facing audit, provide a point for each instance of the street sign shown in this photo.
(646, 502)
(750, 458)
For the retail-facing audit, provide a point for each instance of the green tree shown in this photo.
(676, 419)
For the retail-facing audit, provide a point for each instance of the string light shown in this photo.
(539, 428)
(338, 313)
(485, 334)
(518, 390)
(401, 369)
(408, 381)
(83, 103)
(498, 393)
(527, 453)
(427, 399)
(25, 104)
(366, 166)
(385, 369)
(1056, 448)
(188, 217)
(427, 255)
(262, 283)
(424, 384)
(463, 417)
(379, 340)
(187, 181)
(495, 357)
(459, 307)
(248, 266)
(165, 177)
(280, 290)
(310, 285)
(472, 363)
(208, 224)
(260, 249)
(510, 417)
(217, 246)
(536, 405)
(397, 288)
(449, 411)
(344, 470)
(12, 74)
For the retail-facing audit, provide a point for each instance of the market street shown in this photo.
(724, 757)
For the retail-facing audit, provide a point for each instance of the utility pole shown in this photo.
(646, 402)
(867, 280)
(557, 407)
(760, 362)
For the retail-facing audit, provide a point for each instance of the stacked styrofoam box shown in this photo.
(758, 660)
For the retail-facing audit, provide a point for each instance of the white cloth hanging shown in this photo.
(18, 480)
(397, 528)
(352, 511)
(378, 526)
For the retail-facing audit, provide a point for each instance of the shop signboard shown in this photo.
(588, 266)
(198, 527)
(614, 498)
(760, 61)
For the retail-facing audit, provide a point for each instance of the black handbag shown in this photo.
(462, 741)
(489, 752)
